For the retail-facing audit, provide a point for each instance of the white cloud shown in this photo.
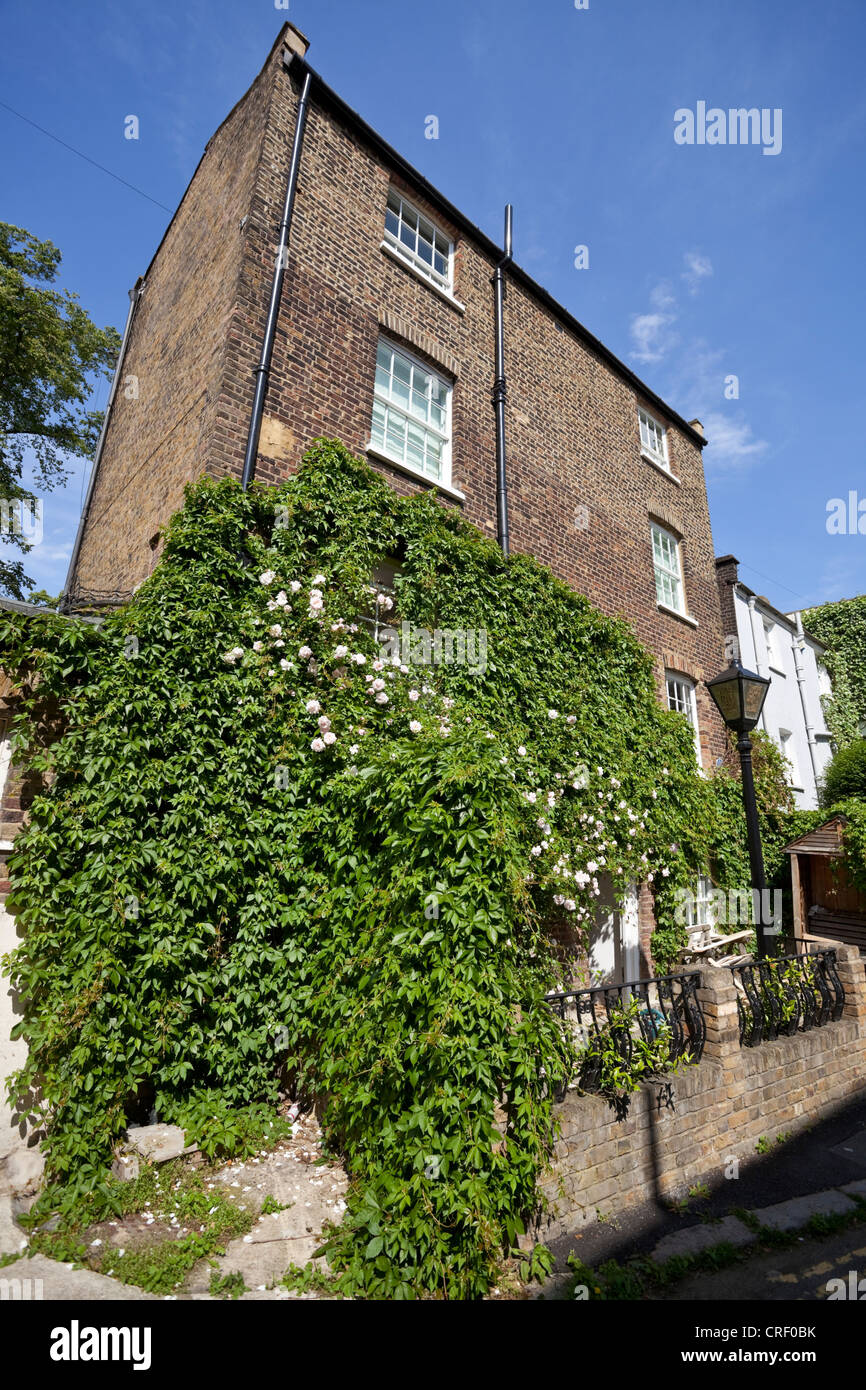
(651, 336)
(698, 267)
(731, 447)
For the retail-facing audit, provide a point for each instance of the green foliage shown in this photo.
(222, 1130)
(226, 1285)
(537, 1266)
(50, 353)
(845, 775)
(210, 1218)
(248, 867)
(617, 1059)
(842, 628)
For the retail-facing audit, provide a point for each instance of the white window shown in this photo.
(786, 743)
(418, 241)
(681, 697)
(653, 439)
(774, 657)
(669, 577)
(701, 905)
(411, 414)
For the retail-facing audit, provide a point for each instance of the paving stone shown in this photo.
(157, 1142)
(789, 1216)
(23, 1170)
(58, 1281)
(694, 1239)
(855, 1189)
(853, 1148)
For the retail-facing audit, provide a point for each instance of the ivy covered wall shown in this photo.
(268, 851)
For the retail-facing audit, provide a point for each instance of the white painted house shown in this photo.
(775, 644)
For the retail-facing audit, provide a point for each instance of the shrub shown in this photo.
(845, 775)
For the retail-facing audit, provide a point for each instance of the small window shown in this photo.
(669, 576)
(771, 638)
(701, 905)
(681, 697)
(786, 743)
(418, 241)
(411, 414)
(653, 439)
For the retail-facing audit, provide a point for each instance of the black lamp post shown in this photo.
(739, 696)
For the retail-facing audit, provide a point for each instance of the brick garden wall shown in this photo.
(685, 1128)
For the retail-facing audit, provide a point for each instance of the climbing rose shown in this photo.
(267, 578)
(313, 707)
(319, 579)
(329, 736)
(317, 745)
(276, 630)
(414, 695)
(340, 652)
(323, 722)
(415, 726)
(381, 698)
(305, 653)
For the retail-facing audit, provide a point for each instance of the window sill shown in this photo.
(395, 256)
(683, 617)
(375, 452)
(660, 467)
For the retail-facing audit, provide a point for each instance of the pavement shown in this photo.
(821, 1172)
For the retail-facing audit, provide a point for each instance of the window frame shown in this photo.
(412, 258)
(446, 435)
(691, 701)
(679, 609)
(662, 459)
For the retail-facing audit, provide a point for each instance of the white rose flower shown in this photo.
(340, 652)
(304, 653)
(285, 665)
(381, 698)
(329, 736)
(317, 745)
(521, 752)
(323, 722)
(378, 684)
(414, 695)
(267, 578)
(276, 630)
(319, 579)
(257, 646)
(295, 586)
(313, 707)
(353, 749)
(415, 726)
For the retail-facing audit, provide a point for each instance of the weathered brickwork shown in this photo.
(580, 495)
(686, 1128)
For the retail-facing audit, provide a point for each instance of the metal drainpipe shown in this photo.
(499, 389)
(799, 644)
(134, 296)
(263, 370)
(758, 661)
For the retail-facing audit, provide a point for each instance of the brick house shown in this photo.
(385, 338)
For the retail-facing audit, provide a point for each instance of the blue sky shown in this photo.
(704, 261)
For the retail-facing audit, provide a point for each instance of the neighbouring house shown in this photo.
(776, 644)
(826, 902)
(385, 338)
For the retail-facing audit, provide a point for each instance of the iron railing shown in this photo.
(782, 995)
(666, 1006)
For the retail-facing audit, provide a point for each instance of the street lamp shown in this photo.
(739, 697)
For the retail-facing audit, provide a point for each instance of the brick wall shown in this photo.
(572, 425)
(686, 1128)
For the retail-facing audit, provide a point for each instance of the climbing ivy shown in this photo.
(271, 851)
(842, 627)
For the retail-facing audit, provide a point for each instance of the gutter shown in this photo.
(134, 296)
(798, 644)
(263, 370)
(500, 389)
